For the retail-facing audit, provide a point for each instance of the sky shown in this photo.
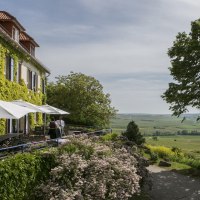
(122, 43)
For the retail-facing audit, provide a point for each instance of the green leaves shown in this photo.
(21, 173)
(133, 133)
(83, 97)
(185, 70)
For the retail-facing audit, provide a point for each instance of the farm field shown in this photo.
(149, 124)
(189, 144)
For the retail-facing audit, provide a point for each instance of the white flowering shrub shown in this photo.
(89, 170)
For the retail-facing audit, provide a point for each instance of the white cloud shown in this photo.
(113, 40)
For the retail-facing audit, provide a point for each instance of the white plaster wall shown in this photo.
(25, 67)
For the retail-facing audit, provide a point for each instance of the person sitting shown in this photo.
(53, 129)
(61, 125)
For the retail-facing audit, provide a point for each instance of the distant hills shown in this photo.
(151, 123)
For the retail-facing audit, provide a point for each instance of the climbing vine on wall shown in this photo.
(13, 90)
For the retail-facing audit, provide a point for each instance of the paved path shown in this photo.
(169, 185)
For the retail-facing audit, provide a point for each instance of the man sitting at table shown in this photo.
(54, 130)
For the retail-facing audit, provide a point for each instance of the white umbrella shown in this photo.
(9, 110)
(54, 111)
(29, 105)
(33, 106)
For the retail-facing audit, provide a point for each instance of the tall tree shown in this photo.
(185, 70)
(83, 97)
(133, 134)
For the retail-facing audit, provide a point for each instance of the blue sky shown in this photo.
(122, 43)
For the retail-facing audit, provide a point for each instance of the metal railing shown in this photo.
(27, 147)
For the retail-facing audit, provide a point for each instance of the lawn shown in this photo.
(149, 124)
(189, 144)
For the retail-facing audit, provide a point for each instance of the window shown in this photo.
(15, 34)
(43, 86)
(36, 83)
(9, 68)
(29, 79)
(19, 72)
(32, 80)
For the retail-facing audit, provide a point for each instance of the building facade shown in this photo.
(22, 75)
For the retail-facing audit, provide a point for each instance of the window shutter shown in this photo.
(36, 82)
(11, 69)
(31, 80)
(19, 72)
(43, 86)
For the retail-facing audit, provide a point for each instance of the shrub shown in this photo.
(153, 156)
(103, 176)
(161, 151)
(177, 151)
(77, 147)
(174, 154)
(83, 167)
(133, 134)
(20, 173)
(109, 137)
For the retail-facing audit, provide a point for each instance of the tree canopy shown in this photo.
(83, 97)
(185, 70)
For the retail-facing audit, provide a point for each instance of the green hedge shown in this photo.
(19, 174)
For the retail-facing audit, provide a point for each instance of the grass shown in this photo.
(188, 144)
(180, 166)
(149, 124)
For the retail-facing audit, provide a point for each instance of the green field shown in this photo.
(149, 124)
(189, 144)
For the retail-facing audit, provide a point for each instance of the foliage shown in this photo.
(83, 97)
(82, 167)
(85, 151)
(161, 151)
(153, 156)
(185, 70)
(12, 90)
(109, 137)
(175, 155)
(177, 150)
(19, 174)
(103, 176)
(133, 134)
(10, 47)
(188, 144)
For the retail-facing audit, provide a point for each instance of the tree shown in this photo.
(83, 97)
(133, 134)
(185, 70)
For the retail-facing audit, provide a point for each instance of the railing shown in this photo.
(10, 135)
(25, 147)
(29, 146)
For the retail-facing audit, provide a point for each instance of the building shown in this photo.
(22, 75)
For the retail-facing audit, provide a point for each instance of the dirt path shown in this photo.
(169, 185)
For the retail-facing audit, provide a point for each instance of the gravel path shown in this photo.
(168, 185)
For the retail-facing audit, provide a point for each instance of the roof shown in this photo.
(5, 16)
(6, 37)
(25, 37)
